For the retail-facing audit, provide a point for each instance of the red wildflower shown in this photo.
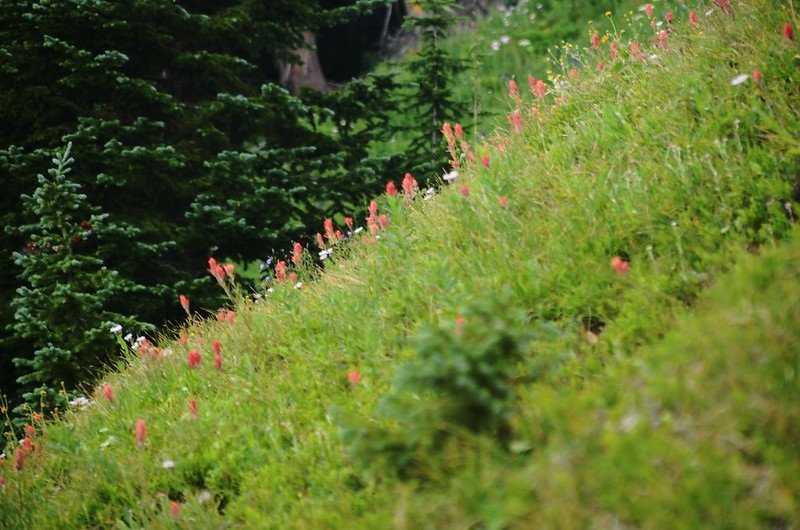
(485, 161)
(216, 347)
(540, 90)
(648, 9)
(757, 77)
(516, 121)
(292, 278)
(384, 220)
(140, 432)
(174, 509)
(460, 320)
(30, 431)
(636, 51)
(229, 267)
(216, 270)
(464, 190)
(184, 303)
(193, 408)
(693, 19)
(409, 185)
(614, 50)
(184, 339)
(620, 265)
(230, 315)
(2, 481)
(724, 4)
(391, 189)
(193, 358)
(328, 226)
(220, 316)
(573, 73)
(349, 222)
(37, 418)
(280, 271)
(788, 31)
(503, 200)
(513, 90)
(20, 456)
(595, 39)
(447, 132)
(600, 67)
(459, 131)
(662, 39)
(339, 234)
(108, 392)
(354, 377)
(668, 17)
(320, 241)
(297, 253)
(373, 208)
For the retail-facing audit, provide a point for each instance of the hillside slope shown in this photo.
(533, 347)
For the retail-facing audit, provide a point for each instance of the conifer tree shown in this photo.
(431, 101)
(66, 307)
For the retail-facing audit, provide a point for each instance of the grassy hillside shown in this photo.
(599, 329)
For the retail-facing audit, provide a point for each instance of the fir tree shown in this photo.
(431, 100)
(65, 309)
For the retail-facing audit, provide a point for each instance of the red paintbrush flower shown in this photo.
(297, 253)
(193, 358)
(108, 392)
(140, 432)
(184, 303)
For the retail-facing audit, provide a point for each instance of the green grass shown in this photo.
(666, 397)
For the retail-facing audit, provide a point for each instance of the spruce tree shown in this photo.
(65, 307)
(431, 100)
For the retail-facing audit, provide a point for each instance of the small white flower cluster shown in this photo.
(739, 79)
(138, 342)
(451, 176)
(79, 402)
(325, 253)
(116, 329)
(168, 464)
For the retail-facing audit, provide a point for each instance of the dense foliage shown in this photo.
(183, 137)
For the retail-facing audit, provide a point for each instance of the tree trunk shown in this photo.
(307, 72)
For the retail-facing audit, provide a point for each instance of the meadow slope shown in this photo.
(595, 324)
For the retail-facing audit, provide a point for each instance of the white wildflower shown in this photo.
(739, 79)
(505, 39)
(128, 337)
(116, 329)
(358, 230)
(496, 45)
(325, 253)
(168, 464)
(79, 401)
(204, 497)
(449, 177)
(298, 285)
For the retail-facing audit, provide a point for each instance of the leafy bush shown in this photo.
(461, 382)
